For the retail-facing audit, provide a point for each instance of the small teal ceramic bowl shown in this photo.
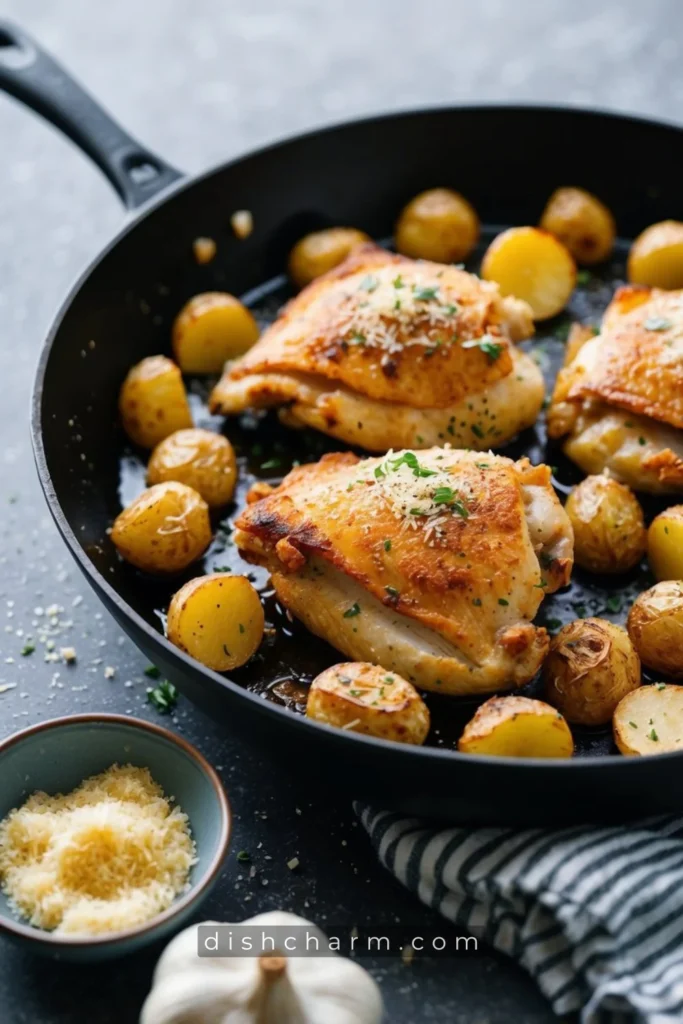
(56, 756)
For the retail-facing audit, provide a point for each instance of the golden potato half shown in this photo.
(582, 223)
(199, 458)
(532, 265)
(608, 524)
(650, 720)
(210, 329)
(517, 727)
(164, 530)
(656, 256)
(437, 225)
(153, 402)
(665, 544)
(655, 625)
(217, 619)
(591, 665)
(366, 698)
(315, 254)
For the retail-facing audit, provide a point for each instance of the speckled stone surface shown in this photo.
(201, 81)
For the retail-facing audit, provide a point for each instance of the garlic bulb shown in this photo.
(271, 989)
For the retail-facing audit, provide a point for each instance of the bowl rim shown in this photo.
(26, 931)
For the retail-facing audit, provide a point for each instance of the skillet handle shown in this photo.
(30, 75)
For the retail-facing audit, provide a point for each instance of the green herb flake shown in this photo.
(369, 283)
(27, 649)
(642, 442)
(351, 612)
(398, 282)
(661, 686)
(503, 602)
(393, 593)
(387, 545)
(476, 602)
(633, 725)
(163, 697)
(443, 495)
(613, 604)
(583, 278)
(244, 857)
(477, 430)
(424, 294)
(271, 463)
(652, 735)
(152, 672)
(488, 346)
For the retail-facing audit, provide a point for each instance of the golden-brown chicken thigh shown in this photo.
(384, 351)
(432, 564)
(619, 401)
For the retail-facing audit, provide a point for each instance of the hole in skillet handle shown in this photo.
(15, 53)
(140, 169)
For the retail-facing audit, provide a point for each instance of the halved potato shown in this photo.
(366, 698)
(591, 665)
(655, 625)
(517, 727)
(315, 254)
(608, 524)
(153, 402)
(210, 329)
(582, 223)
(199, 458)
(217, 619)
(164, 530)
(665, 544)
(531, 264)
(656, 256)
(650, 720)
(437, 225)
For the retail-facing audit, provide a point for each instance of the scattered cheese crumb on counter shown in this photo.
(108, 856)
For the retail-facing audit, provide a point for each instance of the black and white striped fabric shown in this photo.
(594, 914)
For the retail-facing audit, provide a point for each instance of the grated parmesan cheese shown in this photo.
(108, 856)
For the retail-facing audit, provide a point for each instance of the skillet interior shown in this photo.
(507, 161)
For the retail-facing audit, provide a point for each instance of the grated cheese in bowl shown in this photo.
(108, 856)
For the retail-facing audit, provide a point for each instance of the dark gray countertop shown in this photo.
(201, 81)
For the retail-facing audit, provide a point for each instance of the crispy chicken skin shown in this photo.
(620, 399)
(432, 564)
(386, 351)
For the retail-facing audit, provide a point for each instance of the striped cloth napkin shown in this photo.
(595, 915)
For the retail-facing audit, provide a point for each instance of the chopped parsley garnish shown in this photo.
(393, 592)
(657, 323)
(407, 459)
(661, 686)
(583, 278)
(613, 604)
(244, 857)
(271, 463)
(652, 735)
(163, 697)
(358, 338)
(451, 309)
(554, 623)
(503, 602)
(152, 672)
(28, 649)
(487, 345)
(443, 495)
(541, 585)
(476, 602)
(477, 430)
(562, 330)
(633, 725)
(398, 282)
(387, 545)
(641, 441)
(424, 294)
(369, 283)
(351, 612)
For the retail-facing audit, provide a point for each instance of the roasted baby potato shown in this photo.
(437, 225)
(656, 256)
(531, 264)
(366, 698)
(315, 254)
(217, 619)
(153, 402)
(591, 665)
(199, 458)
(650, 720)
(665, 544)
(609, 529)
(164, 530)
(582, 223)
(655, 625)
(517, 727)
(210, 329)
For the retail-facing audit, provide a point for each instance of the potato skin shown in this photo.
(608, 524)
(517, 727)
(591, 665)
(533, 265)
(153, 402)
(665, 544)
(650, 720)
(439, 225)
(656, 256)
(164, 530)
(582, 223)
(366, 698)
(655, 625)
(320, 251)
(210, 329)
(199, 458)
(216, 619)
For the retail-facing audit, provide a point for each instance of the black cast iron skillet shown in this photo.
(507, 160)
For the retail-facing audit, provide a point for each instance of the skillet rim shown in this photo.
(187, 665)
